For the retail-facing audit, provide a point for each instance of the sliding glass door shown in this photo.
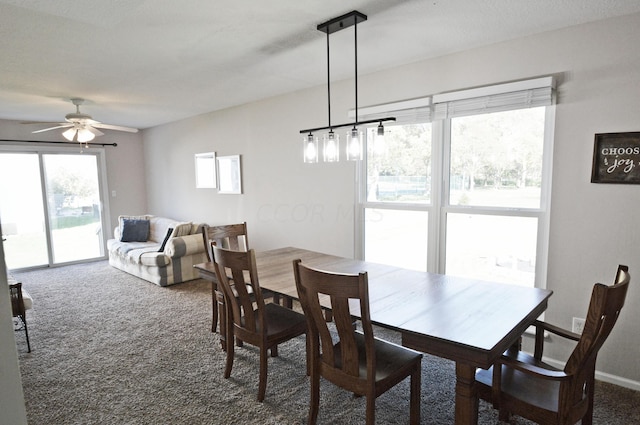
(22, 211)
(50, 208)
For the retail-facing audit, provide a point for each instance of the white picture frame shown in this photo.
(206, 176)
(229, 175)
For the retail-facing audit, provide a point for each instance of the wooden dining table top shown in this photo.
(484, 318)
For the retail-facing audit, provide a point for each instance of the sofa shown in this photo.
(157, 249)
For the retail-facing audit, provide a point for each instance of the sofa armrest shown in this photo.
(184, 245)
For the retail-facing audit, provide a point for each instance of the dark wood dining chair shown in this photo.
(524, 385)
(353, 360)
(236, 238)
(230, 236)
(20, 303)
(248, 317)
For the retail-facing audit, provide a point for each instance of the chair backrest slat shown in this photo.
(237, 275)
(229, 236)
(337, 351)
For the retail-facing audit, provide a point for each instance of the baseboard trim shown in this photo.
(602, 376)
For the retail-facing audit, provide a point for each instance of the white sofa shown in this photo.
(162, 258)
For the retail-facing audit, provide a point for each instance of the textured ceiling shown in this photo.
(142, 63)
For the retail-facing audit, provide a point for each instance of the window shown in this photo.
(462, 188)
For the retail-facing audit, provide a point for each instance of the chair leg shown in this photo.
(414, 403)
(307, 342)
(214, 308)
(287, 302)
(274, 351)
(371, 409)
(26, 332)
(225, 320)
(228, 331)
(503, 414)
(588, 417)
(229, 364)
(314, 403)
(262, 386)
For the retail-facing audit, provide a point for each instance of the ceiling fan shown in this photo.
(81, 127)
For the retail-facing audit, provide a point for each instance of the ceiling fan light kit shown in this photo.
(81, 127)
(331, 140)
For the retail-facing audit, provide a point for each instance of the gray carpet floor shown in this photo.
(109, 348)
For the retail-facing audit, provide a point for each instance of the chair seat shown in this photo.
(390, 357)
(515, 384)
(281, 321)
(27, 300)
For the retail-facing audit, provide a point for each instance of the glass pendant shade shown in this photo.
(85, 135)
(69, 134)
(354, 145)
(331, 147)
(379, 145)
(310, 147)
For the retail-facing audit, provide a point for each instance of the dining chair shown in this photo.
(21, 301)
(248, 317)
(350, 359)
(526, 386)
(233, 237)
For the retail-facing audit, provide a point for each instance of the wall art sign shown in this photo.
(616, 158)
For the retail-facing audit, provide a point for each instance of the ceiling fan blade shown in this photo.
(94, 131)
(115, 127)
(53, 128)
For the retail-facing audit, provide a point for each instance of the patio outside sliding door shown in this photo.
(50, 208)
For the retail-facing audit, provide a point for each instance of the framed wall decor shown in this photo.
(205, 170)
(616, 158)
(229, 174)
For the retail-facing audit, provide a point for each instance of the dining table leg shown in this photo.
(466, 395)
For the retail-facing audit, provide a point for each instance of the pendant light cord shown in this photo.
(328, 83)
(355, 32)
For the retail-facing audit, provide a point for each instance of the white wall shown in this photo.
(286, 202)
(11, 395)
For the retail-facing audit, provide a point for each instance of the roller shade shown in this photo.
(502, 97)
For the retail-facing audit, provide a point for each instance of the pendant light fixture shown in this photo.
(354, 137)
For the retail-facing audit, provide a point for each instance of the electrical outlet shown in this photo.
(578, 325)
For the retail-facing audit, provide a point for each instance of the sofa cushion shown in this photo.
(159, 226)
(134, 230)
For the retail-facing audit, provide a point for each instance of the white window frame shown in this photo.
(536, 92)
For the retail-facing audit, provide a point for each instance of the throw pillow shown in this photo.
(134, 230)
(166, 238)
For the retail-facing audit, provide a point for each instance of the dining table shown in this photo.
(469, 321)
